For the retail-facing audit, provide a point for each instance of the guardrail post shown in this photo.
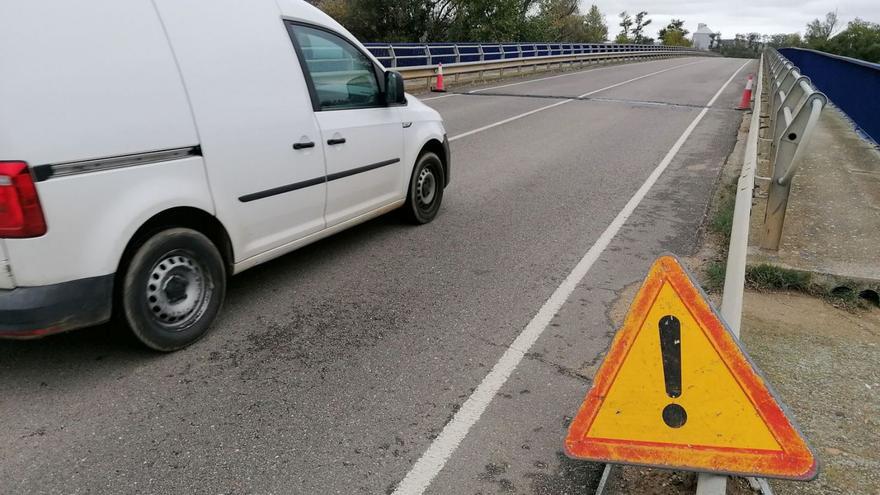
(790, 148)
(774, 217)
(775, 88)
(771, 94)
(519, 55)
(780, 66)
(788, 82)
(792, 98)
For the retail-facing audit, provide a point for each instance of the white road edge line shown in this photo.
(563, 102)
(432, 461)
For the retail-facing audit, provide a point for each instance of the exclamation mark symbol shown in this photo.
(670, 347)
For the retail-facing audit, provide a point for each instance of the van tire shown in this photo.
(425, 192)
(173, 288)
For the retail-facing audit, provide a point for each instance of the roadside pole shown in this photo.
(735, 275)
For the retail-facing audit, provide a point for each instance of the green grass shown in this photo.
(763, 277)
(715, 272)
(847, 298)
(773, 278)
(722, 218)
(719, 225)
(769, 277)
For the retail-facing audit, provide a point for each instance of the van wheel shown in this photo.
(425, 189)
(174, 286)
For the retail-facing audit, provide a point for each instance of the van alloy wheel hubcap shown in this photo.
(426, 187)
(176, 290)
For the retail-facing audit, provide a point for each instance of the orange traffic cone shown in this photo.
(439, 88)
(747, 96)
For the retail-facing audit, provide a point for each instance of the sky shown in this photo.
(736, 16)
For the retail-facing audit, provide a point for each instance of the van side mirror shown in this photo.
(394, 92)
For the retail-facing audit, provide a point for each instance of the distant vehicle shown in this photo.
(151, 149)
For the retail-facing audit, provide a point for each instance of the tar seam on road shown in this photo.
(643, 103)
(584, 71)
(441, 449)
(563, 102)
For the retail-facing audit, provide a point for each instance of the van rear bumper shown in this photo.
(29, 312)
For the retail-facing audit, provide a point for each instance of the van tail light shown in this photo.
(20, 212)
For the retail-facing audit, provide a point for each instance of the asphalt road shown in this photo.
(333, 369)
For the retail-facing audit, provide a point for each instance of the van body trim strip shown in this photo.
(46, 172)
(313, 182)
(358, 170)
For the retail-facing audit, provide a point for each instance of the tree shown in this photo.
(818, 32)
(489, 20)
(785, 40)
(337, 9)
(390, 20)
(595, 29)
(674, 25)
(562, 20)
(754, 41)
(860, 39)
(676, 38)
(743, 46)
(626, 23)
(640, 23)
(674, 34)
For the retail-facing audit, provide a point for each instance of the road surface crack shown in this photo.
(636, 102)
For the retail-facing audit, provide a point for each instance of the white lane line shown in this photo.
(447, 95)
(563, 102)
(432, 461)
(510, 119)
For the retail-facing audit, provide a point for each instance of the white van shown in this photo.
(149, 149)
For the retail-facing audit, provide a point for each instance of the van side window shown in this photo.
(341, 75)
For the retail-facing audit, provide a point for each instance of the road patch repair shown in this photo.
(676, 390)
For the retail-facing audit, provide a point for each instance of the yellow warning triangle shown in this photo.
(676, 390)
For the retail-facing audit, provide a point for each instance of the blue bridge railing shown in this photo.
(423, 54)
(852, 85)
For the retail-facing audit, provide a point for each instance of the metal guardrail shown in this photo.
(399, 55)
(462, 59)
(794, 108)
(735, 272)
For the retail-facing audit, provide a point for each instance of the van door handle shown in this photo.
(304, 145)
(333, 141)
